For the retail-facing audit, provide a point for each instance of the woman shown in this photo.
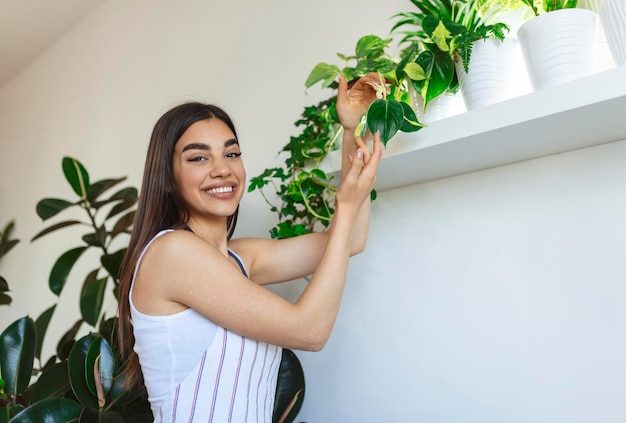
(207, 335)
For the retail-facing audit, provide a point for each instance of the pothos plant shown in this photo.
(305, 193)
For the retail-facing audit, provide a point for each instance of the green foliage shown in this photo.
(83, 379)
(305, 193)
(545, 6)
(6, 244)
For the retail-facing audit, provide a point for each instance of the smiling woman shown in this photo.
(195, 321)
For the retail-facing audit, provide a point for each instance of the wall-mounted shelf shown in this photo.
(583, 113)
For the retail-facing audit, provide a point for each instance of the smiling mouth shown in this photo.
(219, 190)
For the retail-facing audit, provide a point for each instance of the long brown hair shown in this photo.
(159, 207)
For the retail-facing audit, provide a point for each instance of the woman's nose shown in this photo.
(220, 169)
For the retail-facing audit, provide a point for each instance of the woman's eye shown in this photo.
(196, 158)
(233, 155)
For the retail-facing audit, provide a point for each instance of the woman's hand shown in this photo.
(353, 102)
(360, 179)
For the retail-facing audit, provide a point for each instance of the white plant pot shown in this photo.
(496, 73)
(613, 18)
(443, 106)
(560, 46)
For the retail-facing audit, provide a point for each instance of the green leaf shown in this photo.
(41, 324)
(67, 341)
(76, 367)
(61, 269)
(51, 410)
(414, 71)
(118, 208)
(101, 355)
(97, 239)
(409, 122)
(49, 207)
(55, 227)
(322, 72)
(439, 68)
(369, 44)
(97, 188)
(112, 263)
(5, 299)
(94, 416)
(290, 387)
(123, 224)
(386, 117)
(17, 353)
(77, 176)
(4, 286)
(6, 246)
(53, 382)
(92, 297)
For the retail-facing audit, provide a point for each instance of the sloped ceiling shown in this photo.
(29, 27)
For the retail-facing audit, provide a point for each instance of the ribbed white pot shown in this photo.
(496, 73)
(613, 18)
(559, 46)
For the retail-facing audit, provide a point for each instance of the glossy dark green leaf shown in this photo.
(91, 297)
(5, 299)
(290, 388)
(96, 239)
(410, 122)
(100, 355)
(51, 410)
(4, 285)
(41, 325)
(67, 341)
(76, 367)
(89, 415)
(439, 69)
(97, 188)
(53, 382)
(112, 263)
(61, 269)
(120, 207)
(49, 207)
(77, 176)
(55, 227)
(108, 329)
(386, 117)
(17, 353)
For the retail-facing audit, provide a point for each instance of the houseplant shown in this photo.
(64, 388)
(457, 30)
(559, 43)
(304, 193)
(6, 244)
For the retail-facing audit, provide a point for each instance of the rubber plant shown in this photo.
(6, 244)
(81, 382)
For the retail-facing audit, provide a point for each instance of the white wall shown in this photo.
(488, 297)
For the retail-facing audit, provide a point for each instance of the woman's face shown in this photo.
(208, 170)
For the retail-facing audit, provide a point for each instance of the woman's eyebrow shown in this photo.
(202, 146)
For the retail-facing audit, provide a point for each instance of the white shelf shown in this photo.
(577, 114)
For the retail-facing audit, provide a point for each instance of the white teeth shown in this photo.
(219, 190)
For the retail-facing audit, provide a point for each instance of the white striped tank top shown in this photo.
(197, 371)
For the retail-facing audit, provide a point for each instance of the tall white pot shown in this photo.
(496, 73)
(613, 18)
(559, 46)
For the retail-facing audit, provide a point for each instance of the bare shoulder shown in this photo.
(162, 270)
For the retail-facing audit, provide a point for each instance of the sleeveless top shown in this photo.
(197, 371)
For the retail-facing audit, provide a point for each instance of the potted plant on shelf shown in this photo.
(559, 43)
(460, 31)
